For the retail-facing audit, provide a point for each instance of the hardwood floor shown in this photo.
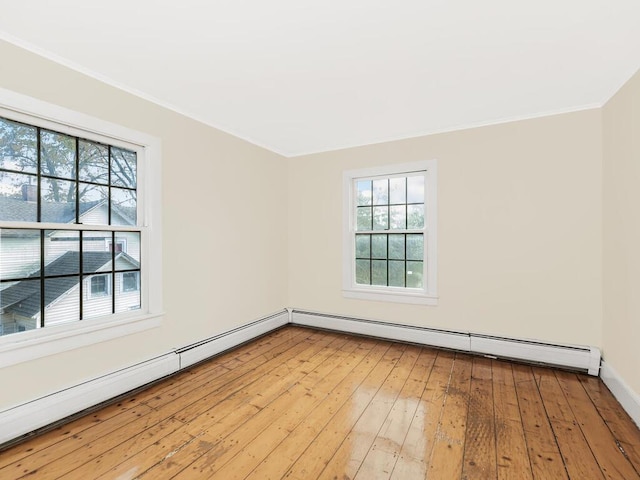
(304, 404)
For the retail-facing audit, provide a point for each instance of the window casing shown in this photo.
(83, 185)
(389, 233)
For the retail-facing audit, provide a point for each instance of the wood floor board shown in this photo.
(290, 449)
(625, 432)
(479, 461)
(306, 404)
(576, 454)
(413, 460)
(512, 458)
(544, 454)
(448, 448)
(613, 463)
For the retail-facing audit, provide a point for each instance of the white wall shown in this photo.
(519, 232)
(224, 237)
(621, 331)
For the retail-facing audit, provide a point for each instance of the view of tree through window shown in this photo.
(89, 191)
(389, 239)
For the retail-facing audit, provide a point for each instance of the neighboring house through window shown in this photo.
(390, 233)
(73, 226)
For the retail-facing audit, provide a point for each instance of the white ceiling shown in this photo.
(301, 76)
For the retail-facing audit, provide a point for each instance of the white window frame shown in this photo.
(428, 295)
(41, 342)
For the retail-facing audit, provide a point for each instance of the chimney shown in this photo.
(29, 193)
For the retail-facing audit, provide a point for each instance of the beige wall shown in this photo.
(219, 194)
(519, 231)
(621, 179)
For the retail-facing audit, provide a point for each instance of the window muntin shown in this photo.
(389, 239)
(389, 233)
(77, 185)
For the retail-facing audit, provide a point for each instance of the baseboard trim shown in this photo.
(209, 347)
(629, 399)
(577, 357)
(389, 331)
(23, 419)
(20, 420)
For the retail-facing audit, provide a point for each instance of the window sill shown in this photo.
(381, 296)
(25, 346)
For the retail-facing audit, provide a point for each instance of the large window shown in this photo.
(77, 186)
(389, 233)
(76, 220)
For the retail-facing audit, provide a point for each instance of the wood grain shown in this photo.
(306, 404)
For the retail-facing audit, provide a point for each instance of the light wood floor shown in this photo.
(303, 404)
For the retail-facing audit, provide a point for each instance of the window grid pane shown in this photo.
(58, 276)
(385, 205)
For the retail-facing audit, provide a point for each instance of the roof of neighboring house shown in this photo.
(18, 210)
(23, 298)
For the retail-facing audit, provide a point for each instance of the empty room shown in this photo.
(337, 240)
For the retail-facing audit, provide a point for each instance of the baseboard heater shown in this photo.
(21, 420)
(575, 357)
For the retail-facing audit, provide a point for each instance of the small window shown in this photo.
(99, 285)
(130, 282)
(389, 233)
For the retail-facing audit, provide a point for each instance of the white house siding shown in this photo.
(19, 256)
(66, 308)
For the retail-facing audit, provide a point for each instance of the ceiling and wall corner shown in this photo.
(299, 77)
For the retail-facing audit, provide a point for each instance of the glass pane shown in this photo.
(94, 162)
(415, 216)
(58, 199)
(127, 250)
(61, 252)
(127, 291)
(19, 253)
(398, 190)
(123, 168)
(396, 273)
(381, 192)
(123, 207)
(58, 153)
(18, 146)
(415, 189)
(414, 274)
(396, 247)
(379, 246)
(94, 204)
(62, 300)
(381, 218)
(96, 293)
(96, 254)
(378, 272)
(398, 219)
(21, 307)
(364, 192)
(18, 197)
(364, 218)
(415, 247)
(363, 272)
(363, 248)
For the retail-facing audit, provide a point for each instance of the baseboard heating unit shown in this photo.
(581, 358)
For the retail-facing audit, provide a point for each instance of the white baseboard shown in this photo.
(27, 417)
(43, 411)
(212, 346)
(403, 333)
(578, 357)
(629, 399)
